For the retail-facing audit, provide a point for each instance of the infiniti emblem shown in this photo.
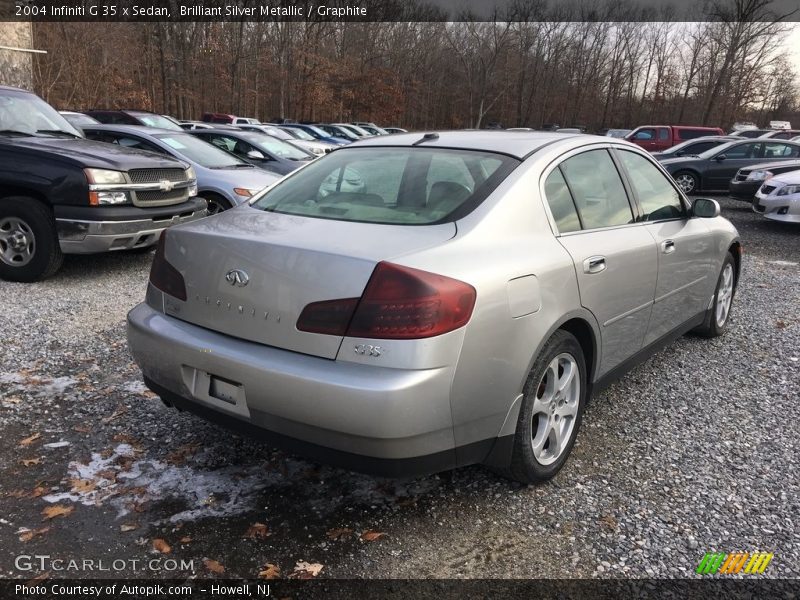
(237, 277)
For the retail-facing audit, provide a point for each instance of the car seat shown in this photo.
(445, 196)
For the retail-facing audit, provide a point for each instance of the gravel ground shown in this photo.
(693, 451)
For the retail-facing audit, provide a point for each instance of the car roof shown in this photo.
(11, 88)
(136, 129)
(519, 144)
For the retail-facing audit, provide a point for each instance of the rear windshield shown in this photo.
(400, 186)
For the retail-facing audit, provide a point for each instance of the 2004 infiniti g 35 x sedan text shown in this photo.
(414, 303)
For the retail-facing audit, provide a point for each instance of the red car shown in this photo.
(217, 118)
(655, 138)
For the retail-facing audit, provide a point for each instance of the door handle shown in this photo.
(667, 246)
(594, 264)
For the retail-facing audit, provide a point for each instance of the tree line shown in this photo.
(621, 66)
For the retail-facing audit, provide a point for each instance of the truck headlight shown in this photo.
(788, 190)
(192, 177)
(108, 198)
(104, 176)
(759, 175)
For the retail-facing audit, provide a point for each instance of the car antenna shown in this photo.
(428, 137)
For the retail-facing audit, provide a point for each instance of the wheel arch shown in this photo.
(10, 190)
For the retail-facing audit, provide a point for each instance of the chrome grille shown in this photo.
(156, 198)
(156, 175)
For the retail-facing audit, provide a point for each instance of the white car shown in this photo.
(779, 198)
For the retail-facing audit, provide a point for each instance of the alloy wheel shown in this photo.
(685, 182)
(555, 408)
(724, 295)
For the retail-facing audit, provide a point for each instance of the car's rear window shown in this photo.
(401, 186)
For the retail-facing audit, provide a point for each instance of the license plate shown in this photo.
(222, 389)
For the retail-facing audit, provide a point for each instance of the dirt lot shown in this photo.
(694, 451)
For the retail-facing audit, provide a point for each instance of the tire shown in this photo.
(29, 249)
(688, 182)
(216, 204)
(717, 319)
(533, 458)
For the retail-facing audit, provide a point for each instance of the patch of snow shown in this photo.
(61, 444)
(224, 492)
(135, 387)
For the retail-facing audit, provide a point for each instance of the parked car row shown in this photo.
(761, 166)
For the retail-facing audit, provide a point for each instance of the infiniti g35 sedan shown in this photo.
(414, 303)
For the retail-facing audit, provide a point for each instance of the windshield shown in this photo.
(277, 132)
(315, 131)
(357, 130)
(712, 152)
(28, 114)
(679, 147)
(157, 121)
(299, 133)
(402, 186)
(200, 152)
(275, 146)
(79, 119)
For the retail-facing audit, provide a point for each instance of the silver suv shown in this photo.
(413, 303)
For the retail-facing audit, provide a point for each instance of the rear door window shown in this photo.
(778, 150)
(561, 204)
(597, 189)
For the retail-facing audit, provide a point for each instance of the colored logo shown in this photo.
(737, 562)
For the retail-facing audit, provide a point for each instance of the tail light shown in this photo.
(398, 303)
(164, 276)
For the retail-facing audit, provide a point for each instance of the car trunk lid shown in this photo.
(249, 273)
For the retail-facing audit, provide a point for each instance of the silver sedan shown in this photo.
(415, 303)
(779, 198)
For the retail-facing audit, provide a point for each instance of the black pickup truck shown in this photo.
(63, 194)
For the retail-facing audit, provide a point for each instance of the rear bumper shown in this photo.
(81, 234)
(744, 190)
(375, 419)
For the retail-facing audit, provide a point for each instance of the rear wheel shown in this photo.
(552, 406)
(29, 249)
(687, 181)
(717, 319)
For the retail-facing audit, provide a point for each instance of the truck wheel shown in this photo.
(29, 249)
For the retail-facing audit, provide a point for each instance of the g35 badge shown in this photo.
(368, 349)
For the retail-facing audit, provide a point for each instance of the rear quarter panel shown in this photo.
(506, 238)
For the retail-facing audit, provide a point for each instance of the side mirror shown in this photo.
(705, 208)
(255, 155)
(679, 153)
(720, 157)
